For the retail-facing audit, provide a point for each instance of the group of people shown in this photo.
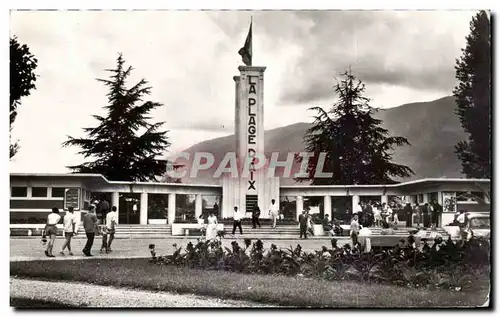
(384, 215)
(70, 229)
(426, 215)
(208, 226)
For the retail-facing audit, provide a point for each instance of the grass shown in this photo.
(272, 289)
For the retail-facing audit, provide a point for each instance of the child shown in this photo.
(104, 231)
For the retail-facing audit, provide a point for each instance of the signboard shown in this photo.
(449, 202)
(72, 198)
(252, 129)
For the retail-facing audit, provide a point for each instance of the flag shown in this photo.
(246, 50)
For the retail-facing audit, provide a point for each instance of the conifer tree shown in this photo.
(358, 150)
(124, 146)
(473, 99)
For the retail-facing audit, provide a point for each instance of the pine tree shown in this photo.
(472, 93)
(358, 150)
(124, 146)
(22, 80)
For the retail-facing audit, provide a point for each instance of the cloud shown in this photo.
(190, 57)
(414, 49)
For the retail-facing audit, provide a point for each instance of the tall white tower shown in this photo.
(253, 186)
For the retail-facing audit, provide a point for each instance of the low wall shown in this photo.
(178, 229)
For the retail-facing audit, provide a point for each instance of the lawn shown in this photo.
(273, 289)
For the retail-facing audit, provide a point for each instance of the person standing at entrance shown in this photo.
(425, 216)
(51, 230)
(236, 220)
(90, 226)
(102, 209)
(408, 212)
(303, 219)
(211, 227)
(418, 214)
(70, 229)
(354, 230)
(111, 222)
(274, 212)
(437, 209)
(255, 216)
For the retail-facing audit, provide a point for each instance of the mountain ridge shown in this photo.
(432, 128)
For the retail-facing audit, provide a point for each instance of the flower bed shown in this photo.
(447, 264)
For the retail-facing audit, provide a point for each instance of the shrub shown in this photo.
(440, 265)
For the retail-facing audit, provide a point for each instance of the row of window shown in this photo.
(36, 191)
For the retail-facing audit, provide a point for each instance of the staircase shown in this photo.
(143, 231)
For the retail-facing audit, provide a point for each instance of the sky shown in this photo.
(190, 57)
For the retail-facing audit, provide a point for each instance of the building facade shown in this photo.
(33, 196)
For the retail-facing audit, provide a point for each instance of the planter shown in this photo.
(157, 221)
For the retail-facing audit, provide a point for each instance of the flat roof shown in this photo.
(413, 182)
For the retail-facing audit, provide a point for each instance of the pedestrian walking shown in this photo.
(303, 219)
(110, 229)
(236, 220)
(274, 212)
(70, 230)
(90, 226)
(51, 230)
(255, 216)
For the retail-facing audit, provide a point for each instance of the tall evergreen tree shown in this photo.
(358, 150)
(473, 99)
(22, 80)
(124, 146)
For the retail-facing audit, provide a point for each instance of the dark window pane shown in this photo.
(58, 191)
(39, 192)
(19, 191)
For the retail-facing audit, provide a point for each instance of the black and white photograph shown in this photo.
(252, 158)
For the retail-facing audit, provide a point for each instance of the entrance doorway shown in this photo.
(130, 209)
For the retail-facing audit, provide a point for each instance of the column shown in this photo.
(355, 202)
(144, 209)
(384, 199)
(115, 201)
(198, 206)
(426, 198)
(171, 208)
(328, 206)
(300, 207)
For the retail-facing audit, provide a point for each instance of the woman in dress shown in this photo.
(212, 227)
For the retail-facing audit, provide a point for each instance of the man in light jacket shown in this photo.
(274, 212)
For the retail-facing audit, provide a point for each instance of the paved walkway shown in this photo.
(88, 295)
(22, 249)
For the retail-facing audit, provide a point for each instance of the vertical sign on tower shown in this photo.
(252, 129)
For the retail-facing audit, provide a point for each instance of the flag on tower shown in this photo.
(246, 50)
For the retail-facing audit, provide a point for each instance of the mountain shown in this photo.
(432, 128)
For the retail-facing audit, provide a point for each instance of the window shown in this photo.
(480, 223)
(251, 202)
(19, 192)
(39, 192)
(58, 191)
(420, 198)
